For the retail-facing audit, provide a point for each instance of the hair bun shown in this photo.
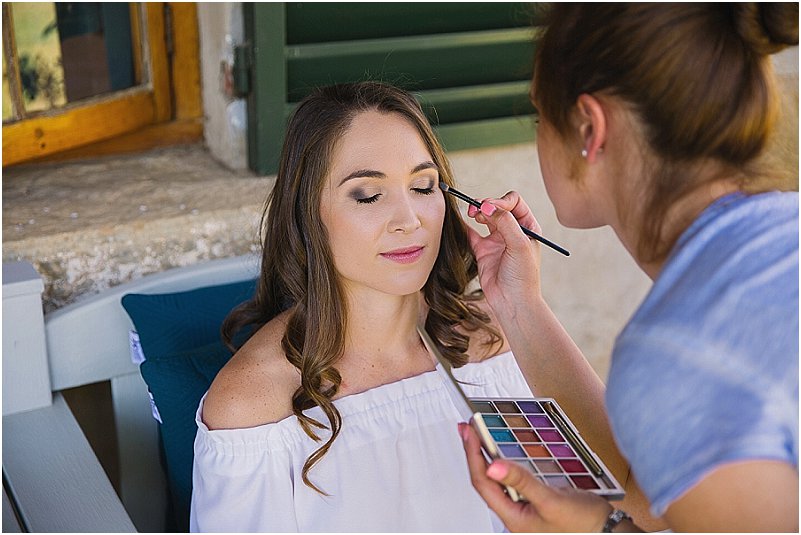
(767, 27)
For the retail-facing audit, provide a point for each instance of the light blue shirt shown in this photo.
(706, 371)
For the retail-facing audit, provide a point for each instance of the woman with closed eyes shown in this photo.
(331, 416)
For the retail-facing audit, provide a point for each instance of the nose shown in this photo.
(403, 216)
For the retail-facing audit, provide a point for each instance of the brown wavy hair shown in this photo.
(297, 267)
(698, 76)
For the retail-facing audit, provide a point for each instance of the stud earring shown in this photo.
(583, 153)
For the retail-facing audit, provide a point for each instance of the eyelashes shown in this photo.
(361, 199)
(368, 200)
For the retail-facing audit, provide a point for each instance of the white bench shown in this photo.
(52, 481)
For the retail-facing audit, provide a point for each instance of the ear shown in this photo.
(592, 125)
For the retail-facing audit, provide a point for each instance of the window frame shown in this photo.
(169, 99)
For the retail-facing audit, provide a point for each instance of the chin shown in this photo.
(402, 287)
(579, 221)
(401, 284)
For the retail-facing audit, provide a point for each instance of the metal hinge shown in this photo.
(241, 71)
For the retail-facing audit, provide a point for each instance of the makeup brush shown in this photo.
(531, 234)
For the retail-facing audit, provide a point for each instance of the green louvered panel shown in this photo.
(320, 22)
(468, 63)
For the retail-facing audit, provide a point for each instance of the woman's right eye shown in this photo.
(368, 200)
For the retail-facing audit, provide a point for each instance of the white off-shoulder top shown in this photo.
(397, 466)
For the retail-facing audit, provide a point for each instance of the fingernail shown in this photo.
(487, 209)
(472, 211)
(497, 471)
(463, 431)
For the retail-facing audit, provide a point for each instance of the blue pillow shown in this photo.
(174, 322)
(179, 334)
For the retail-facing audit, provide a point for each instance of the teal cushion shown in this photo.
(174, 322)
(179, 334)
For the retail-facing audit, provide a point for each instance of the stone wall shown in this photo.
(90, 225)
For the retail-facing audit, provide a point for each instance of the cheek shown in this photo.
(435, 211)
(433, 218)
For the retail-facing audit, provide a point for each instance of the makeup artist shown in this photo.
(654, 119)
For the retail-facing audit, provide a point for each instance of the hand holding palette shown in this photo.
(534, 432)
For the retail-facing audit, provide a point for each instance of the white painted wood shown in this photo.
(10, 522)
(87, 341)
(54, 477)
(142, 480)
(26, 379)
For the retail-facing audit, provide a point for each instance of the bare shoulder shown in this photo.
(255, 387)
(481, 346)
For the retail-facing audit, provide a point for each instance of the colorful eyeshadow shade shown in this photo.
(538, 435)
(502, 435)
(584, 482)
(537, 450)
(526, 435)
(506, 407)
(547, 467)
(539, 421)
(530, 407)
(516, 421)
(512, 451)
(494, 421)
(551, 435)
(484, 407)
(558, 481)
(561, 450)
(571, 466)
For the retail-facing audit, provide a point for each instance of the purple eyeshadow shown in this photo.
(532, 433)
(584, 482)
(561, 450)
(572, 466)
(512, 451)
(551, 435)
(530, 407)
(539, 421)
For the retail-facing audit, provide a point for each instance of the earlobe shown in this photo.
(592, 126)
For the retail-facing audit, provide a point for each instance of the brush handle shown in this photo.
(530, 233)
(545, 241)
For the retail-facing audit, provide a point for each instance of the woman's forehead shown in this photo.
(376, 138)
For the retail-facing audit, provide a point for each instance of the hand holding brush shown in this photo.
(530, 233)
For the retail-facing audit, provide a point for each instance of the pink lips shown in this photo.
(406, 255)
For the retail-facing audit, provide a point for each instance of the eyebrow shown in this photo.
(371, 173)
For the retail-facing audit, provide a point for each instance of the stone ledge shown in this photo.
(90, 225)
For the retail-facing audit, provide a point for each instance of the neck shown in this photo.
(381, 340)
(678, 218)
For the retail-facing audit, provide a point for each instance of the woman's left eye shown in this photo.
(424, 191)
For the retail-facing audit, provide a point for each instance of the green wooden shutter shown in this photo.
(469, 64)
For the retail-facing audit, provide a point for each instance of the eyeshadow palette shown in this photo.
(534, 432)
